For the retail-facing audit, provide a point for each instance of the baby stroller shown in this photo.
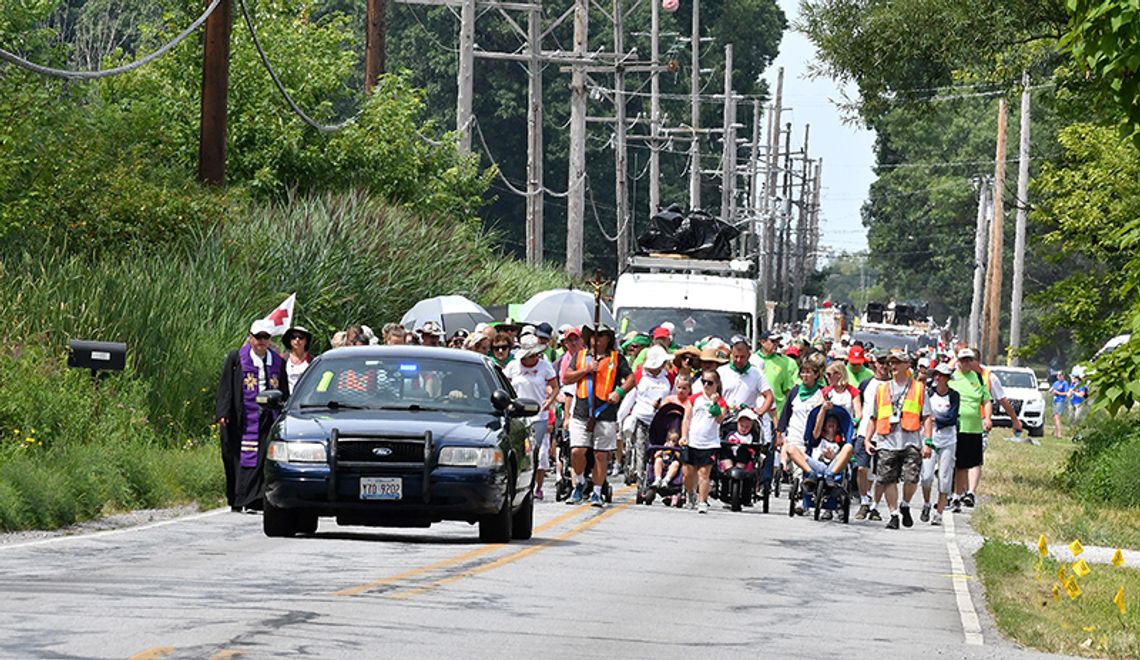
(667, 418)
(565, 483)
(817, 495)
(737, 486)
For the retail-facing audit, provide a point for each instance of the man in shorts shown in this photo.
(602, 376)
(868, 507)
(900, 415)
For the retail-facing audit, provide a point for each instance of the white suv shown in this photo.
(1020, 385)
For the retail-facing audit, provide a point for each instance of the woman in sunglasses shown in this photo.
(501, 345)
(700, 438)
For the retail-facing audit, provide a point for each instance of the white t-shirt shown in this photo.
(704, 430)
(742, 389)
(650, 389)
(870, 394)
(800, 409)
(530, 382)
(940, 407)
(293, 371)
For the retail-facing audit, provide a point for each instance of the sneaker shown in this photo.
(576, 496)
(597, 500)
(874, 515)
(691, 500)
(703, 507)
(826, 515)
(799, 508)
(956, 505)
(936, 519)
(925, 515)
(538, 494)
(907, 521)
(968, 500)
(861, 514)
(893, 523)
(1034, 441)
(659, 484)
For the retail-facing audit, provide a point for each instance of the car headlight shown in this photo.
(297, 452)
(480, 457)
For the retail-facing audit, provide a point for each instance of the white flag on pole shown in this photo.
(281, 318)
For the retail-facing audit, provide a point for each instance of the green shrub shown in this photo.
(1104, 468)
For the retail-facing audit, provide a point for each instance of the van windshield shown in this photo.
(691, 324)
(1016, 379)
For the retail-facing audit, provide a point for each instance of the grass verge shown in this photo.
(1019, 592)
(1027, 499)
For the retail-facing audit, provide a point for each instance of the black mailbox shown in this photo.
(97, 355)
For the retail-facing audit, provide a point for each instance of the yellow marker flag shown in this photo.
(1056, 591)
(1081, 568)
(1076, 548)
(1061, 573)
(1118, 559)
(1118, 600)
(1042, 546)
(1072, 588)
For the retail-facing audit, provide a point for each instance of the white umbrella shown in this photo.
(563, 306)
(451, 312)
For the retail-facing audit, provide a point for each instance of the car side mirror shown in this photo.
(271, 399)
(524, 408)
(501, 400)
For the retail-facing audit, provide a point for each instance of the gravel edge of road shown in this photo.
(116, 521)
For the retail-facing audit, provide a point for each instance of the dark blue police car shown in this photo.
(400, 436)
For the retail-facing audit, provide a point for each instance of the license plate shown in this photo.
(381, 488)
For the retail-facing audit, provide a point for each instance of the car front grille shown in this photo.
(380, 451)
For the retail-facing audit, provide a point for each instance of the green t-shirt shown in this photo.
(973, 393)
(782, 374)
(855, 377)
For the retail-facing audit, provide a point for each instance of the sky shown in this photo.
(847, 150)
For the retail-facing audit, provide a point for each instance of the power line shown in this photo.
(16, 60)
(514, 189)
(324, 128)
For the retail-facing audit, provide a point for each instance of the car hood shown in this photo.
(318, 425)
(1023, 394)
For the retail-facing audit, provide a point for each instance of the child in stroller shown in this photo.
(824, 462)
(661, 469)
(741, 451)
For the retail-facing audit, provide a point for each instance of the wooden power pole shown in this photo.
(375, 31)
(576, 201)
(534, 152)
(695, 110)
(215, 96)
(1022, 210)
(992, 332)
(621, 179)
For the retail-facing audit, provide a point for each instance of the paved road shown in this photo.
(628, 581)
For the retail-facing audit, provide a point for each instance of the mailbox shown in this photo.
(97, 355)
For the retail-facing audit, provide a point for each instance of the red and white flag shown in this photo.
(281, 318)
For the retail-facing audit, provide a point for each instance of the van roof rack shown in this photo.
(661, 262)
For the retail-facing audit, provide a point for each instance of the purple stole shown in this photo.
(251, 387)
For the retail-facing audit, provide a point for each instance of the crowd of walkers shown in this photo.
(919, 420)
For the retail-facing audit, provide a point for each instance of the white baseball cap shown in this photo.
(656, 357)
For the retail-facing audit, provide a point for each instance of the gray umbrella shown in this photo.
(451, 312)
(563, 306)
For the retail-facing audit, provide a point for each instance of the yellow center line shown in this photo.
(153, 653)
(521, 554)
(467, 556)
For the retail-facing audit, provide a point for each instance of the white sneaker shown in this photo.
(691, 500)
(703, 507)
(936, 519)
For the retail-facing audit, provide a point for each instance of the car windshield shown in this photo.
(1018, 379)
(691, 324)
(396, 383)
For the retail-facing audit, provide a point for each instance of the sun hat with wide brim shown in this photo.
(689, 351)
(588, 334)
(529, 345)
(710, 354)
(296, 331)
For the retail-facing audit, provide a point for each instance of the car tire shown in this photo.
(522, 527)
(278, 523)
(496, 528)
(1037, 431)
(306, 522)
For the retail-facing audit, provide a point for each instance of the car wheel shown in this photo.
(1037, 431)
(306, 522)
(496, 528)
(522, 527)
(278, 523)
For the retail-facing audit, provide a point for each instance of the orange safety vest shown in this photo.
(605, 378)
(911, 419)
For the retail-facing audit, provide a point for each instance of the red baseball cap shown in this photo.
(661, 333)
(793, 350)
(855, 355)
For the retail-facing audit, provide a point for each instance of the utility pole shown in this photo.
(375, 30)
(215, 96)
(576, 202)
(534, 152)
(695, 110)
(466, 82)
(1022, 210)
(773, 167)
(774, 140)
(654, 110)
(754, 202)
(801, 226)
(973, 334)
(992, 333)
(728, 133)
(813, 217)
(786, 227)
(621, 182)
